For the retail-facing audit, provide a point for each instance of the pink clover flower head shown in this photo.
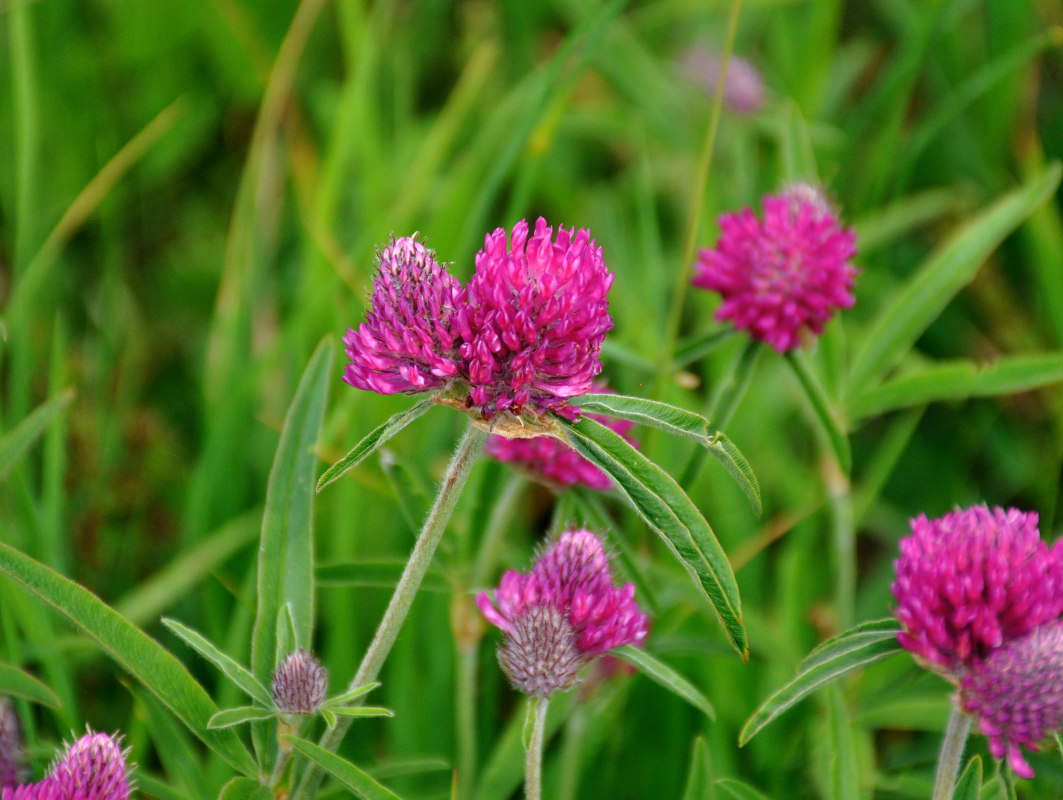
(552, 461)
(562, 614)
(972, 580)
(532, 320)
(92, 768)
(1016, 693)
(405, 344)
(299, 683)
(782, 278)
(11, 745)
(743, 88)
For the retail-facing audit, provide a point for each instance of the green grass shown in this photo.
(190, 199)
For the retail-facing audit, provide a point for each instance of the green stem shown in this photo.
(465, 703)
(533, 771)
(839, 492)
(951, 755)
(465, 455)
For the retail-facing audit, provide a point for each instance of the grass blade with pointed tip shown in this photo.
(355, 779)
(822, 407)
(958, 380)
(969, 786)
(14, 681)
(861, 645)
(228, 717)
(373, 440)
(680, 422)
(17, 440)
(663, 675)
(948, 269)
(739, 790)
(234, 671)
(138, 653)
(668, 510)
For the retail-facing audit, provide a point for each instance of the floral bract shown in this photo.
(786, 275)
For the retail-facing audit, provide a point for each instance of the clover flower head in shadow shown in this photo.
(781, 278)
(405, 344)
(532, 320)
(971, 580)
(92, 768)
(561, 615)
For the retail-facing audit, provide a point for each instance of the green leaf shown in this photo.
(739, 790)
(378, 574)
(855, 648)
(17, 440)
(235, 716)
(287, 640)
(330, 717)
(832, 426)
(372, 441)
(235, 672)
(245, 789)
(969, 786)
(138, 653)
(699, 777)
(680, 422)
(181, 758)
(958, 380)
(668, 511)
(353, 694)
(949, 269)
(358, 781)
(14, 681)
(286, 552)
(665, 676)
(150, 786)
(841, 746)
(361, 711)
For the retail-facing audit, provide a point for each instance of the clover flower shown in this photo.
(405, 344)
(11, 747)
(532, 320)
(553, 462)
(1016, 693)
(299, 683)
(785, 276)
(743, 88)
(561, 615)
(972, 580)
(92, 768)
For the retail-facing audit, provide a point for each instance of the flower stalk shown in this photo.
(951, 755)
(457, 475)
(533, 770)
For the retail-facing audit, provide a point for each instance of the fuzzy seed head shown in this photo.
(299, 683)
(1016, 693)
(539, 655)
(532, 320)
(972, 580)
(405, 344)
(784, 277)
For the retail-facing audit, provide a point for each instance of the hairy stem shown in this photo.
(951, 754)
(533, 771)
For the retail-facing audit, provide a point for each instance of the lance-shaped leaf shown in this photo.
(373, 440)
(138, 653)
(949, 268)
(739, 790)
(16, 441)
(855, 648)
(234, 671)
(14, 681)
(228, 717)
(668, 511)
(969, 786)
(355, 779)
(958, 380)
(662, 674)
(680, 422)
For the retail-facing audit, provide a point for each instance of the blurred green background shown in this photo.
(191, 194)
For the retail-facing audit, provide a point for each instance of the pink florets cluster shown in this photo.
(562, 614)
(299, 683)
(979, 597)
(1017, 695)
(786, 275)
(92, 768)
(524, 335)
(552, 461)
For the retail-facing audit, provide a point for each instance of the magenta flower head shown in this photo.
(92, 768)
(299, 683)
(561, 615)
(405, 344)
(532, 321)
(553, 462)
(11, 746)
(743, 88)
(1016, 693)
(781, 279)
(972, 580)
